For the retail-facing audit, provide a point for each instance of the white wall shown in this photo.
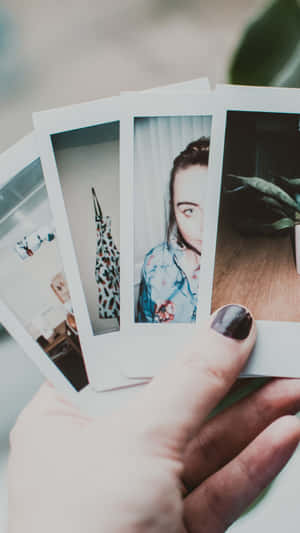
(82, 166)
(25, 285)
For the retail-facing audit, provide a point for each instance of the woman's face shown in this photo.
(189, 192)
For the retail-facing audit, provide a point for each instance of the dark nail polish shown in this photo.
(233, 321)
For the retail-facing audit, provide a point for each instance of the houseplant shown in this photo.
(265, 207)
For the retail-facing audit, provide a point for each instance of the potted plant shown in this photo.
(265, 207)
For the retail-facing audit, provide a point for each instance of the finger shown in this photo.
(220, 500)
(217, 442)
(175, 404)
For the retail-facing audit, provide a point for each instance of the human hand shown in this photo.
(158, 465)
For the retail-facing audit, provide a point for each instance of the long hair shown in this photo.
(196, 153)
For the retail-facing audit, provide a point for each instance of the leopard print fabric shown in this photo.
(107, 271)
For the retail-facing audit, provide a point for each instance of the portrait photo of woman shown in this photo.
(169, 274)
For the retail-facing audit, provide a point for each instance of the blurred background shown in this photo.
(59, 53)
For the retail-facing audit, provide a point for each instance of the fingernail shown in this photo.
(233, 321)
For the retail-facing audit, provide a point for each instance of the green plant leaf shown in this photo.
(268, 188)
(297, 198)
(267, 45)
(282, 223)
(277, 207)
(291, 183)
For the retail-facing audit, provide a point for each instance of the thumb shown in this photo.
(177, 402)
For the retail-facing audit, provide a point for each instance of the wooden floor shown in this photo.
(258, 272)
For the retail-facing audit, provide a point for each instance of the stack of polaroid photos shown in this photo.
(125, 222)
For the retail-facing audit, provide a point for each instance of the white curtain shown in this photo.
(157, 141)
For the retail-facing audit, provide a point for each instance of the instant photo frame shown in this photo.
(16, 163)
(101, 357)
(277, 347)
(154, 343)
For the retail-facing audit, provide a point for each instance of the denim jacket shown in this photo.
(166, 293)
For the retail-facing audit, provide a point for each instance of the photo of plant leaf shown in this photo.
(258, 239)
(268, 206)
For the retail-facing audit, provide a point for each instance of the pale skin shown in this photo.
(189, 190)
(157, 465)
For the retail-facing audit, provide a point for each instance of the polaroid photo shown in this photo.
(252, 233)
(79, 149)
(165, 146)
(35, 304)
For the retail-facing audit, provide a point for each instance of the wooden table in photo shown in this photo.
(258, 272)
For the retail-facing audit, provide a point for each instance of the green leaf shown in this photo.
(292, 183)
(267, 45)
(277, 207)
(297, 198)
(289, 185)
(282, 223)
(269, 189)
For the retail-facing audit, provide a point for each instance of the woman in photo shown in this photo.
(170, 274)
